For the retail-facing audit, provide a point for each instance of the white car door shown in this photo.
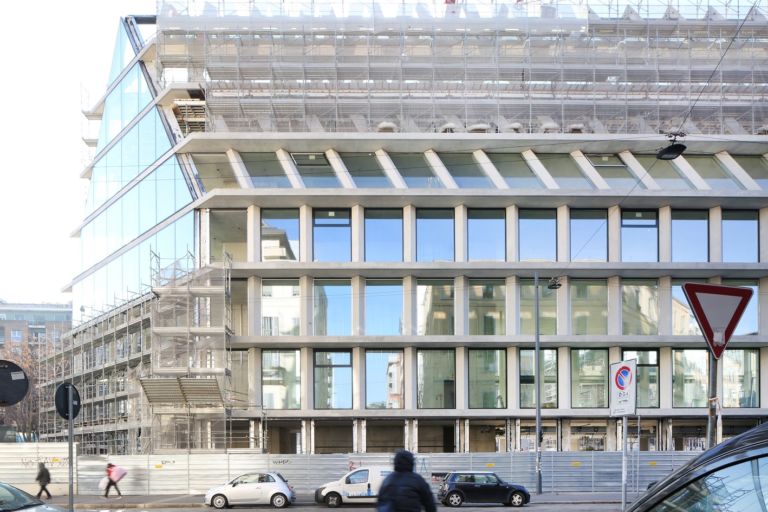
(358, 488)
(244, 489)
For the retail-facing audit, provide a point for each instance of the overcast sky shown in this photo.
(55, 57)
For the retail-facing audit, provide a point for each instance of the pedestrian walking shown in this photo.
(114, 475)
(403, 490)
(43, 478)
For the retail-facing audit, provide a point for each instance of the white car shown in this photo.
(252, 489)
(13, 499)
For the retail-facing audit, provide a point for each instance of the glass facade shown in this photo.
(548, 365)
(756, 167)
(279, 234)
(434, 234)
(383, 307)
(434, 303)
(639, 235)
(640, 306)
(315, 170)
(436, 382)
(537, 235)
(589, 378)
(547, 307)
(384, 382)
(710, 170)
(515, 171)
(280, 307)
(487, 307)
(589, 306)
(565, 171)
(365, 170)
(383, 234)
(647, 376)
(332, 235)
(589, 235)
(663, 172)
(741, 378)
(265, 170)
(486, 235)
(281, 379)
(333, 307)
(214, 171)
(690, 377)
(487, 378)
(415, 170)
(683, 321)
(740, 236)
(333, 379)
(464, 170)
(614, 171)
(749, 319)
(690, 235)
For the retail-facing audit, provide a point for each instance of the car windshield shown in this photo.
(12, 498)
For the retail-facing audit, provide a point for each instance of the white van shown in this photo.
(360, 485)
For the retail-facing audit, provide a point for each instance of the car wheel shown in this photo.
(279, 500)
(517, 499)
(333, 500)
(454, 499)
(219, 501)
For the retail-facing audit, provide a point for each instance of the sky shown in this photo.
(56, 58)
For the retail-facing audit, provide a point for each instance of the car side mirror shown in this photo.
(234, 484)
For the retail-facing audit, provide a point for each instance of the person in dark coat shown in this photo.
(403, 490)
(43, 478)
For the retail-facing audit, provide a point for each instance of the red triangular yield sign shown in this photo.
(718, 310)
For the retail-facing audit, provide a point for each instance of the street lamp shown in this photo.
(553, 284)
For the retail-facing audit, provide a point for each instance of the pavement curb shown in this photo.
(115, 506)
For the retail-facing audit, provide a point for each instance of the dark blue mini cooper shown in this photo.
(480, 487)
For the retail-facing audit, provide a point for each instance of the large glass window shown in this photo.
(548, 365)
(589, 378)
(315, 170)
(683, 321)
(214, 171)
(690, 235)
(383, 234)
(265, 170)
(415, 170)
(434, 235)
(756, 167)
(589, 306)
(515, 170)
(640, 306)
(332, 235)
(436, 379)
(434, 307)
(487, 379)
(465, 171)
(333, 308)
(663, 173)
(690, 376)
(383, 307)
(333, 380)
(741, 378)
(486, 235)
(748, 323)
(639, 235)
(708, 167)
(647, 376)
(280, 307)
(740, 236)
(565, 171)
(614, 171)
(365, 170)
(589, 235)
(227, 234)
(537, 235)
(486, 306)
(279, 234)
(281, 379)
(384, 384)
(547, 307)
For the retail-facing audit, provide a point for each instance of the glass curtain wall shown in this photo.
(589, 235)
(690, 377)
(647, 376)
(589, 378)
(740, 236)
(332, 235)
(537, 235)
(547, 307)
(281, 379)
(639, 235)
(548, 366)
(486, 235)
(333, 307)
(333, 379)
(384, 384)
(383, 307)
(748, 324)
(279, 234)
(487, 378)
(640, 307)
(683, 321)
(383, 234)
(741, 378)
(434, 235)
(486, 307)
(436, 379)
(434, 307)
(589, 306)
(280, 307)
(690, 235)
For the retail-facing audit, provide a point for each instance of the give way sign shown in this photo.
(717, 309)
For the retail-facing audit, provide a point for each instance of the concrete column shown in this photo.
(306, 319)
(466, 436)
(358, 378)
(238, 168)
(511, 228)
(389, 169)
(563, 312)
(457, 444)
(665, 377)
(358, 308)
(511, 306)
(355, 436)
(588, 170)
(563, 234)
(665, 234)
(409, 233)
(733, 168)
(253, 436)
(462, 380)
(305, 234)
(358, 234)
(439, 169)
(254, 306)
(539, 170)
(205, 238)
(254, 377)
(409, 306)
(407, 435)
(614, 306)
(614, 234)
(665, 306)
(489, 169)
(563, 378)
(638, 170)
(290, 168)
(763, 382)
(310, 434)
(415, 435)
(340, 168)
(307, 378)
(461, 306)
(513, 379)
(715, 234)
(690, 173)
(667, 426)
(364, 436)
(762, 222)
(253, 234)
(409, 378)
(460, 233)
(614, 355)
(762, 306)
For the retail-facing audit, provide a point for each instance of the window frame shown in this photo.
(504, 385)
(315, 367)
(520, 374)
(607, 377)
(646, 365)
(622, 227)
(316, 226)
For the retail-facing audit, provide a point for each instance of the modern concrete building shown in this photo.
(314, 226)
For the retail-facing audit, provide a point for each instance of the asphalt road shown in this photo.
(560, 507)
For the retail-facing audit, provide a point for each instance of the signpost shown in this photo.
(623, 402)
(718, 310)
(67, 401)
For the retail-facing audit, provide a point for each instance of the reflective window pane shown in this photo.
(740, 236)
(415, 170)
(315, 170)
(614, 171)
(565, 171)
(589, 306)
(332, 235)
(690, 235)
(214, 171)
(683, 321)
(487, 379)
(547, 307)
(690, 376)
(383, 234)
(589, 235)
(748, 323)
(640, 306)
(384, 384)
(537, 235)
(365, 170)
(279, 234)
(589, 378)
(333, 308)
(281, 379)
(486, 306)
(663, 172)
(227, 234)
(639, 235)
(647, 376)
(436, 379)
(756, 167)
(514, 170)
(280, 307)
(434, 299)
(486, 235)
(333, 380)
(383, 307)
(710, 170)
(548, 364)
(434, 234)
(741, 378)
(265, 170)
(465, 171)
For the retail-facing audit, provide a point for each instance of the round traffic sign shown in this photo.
(623, 377)
(61, 399)
(13, 383)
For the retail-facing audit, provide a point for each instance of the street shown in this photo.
(564, 507)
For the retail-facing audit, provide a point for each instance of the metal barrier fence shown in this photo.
(18, 465)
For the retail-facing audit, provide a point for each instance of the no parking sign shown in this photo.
(623, 388)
